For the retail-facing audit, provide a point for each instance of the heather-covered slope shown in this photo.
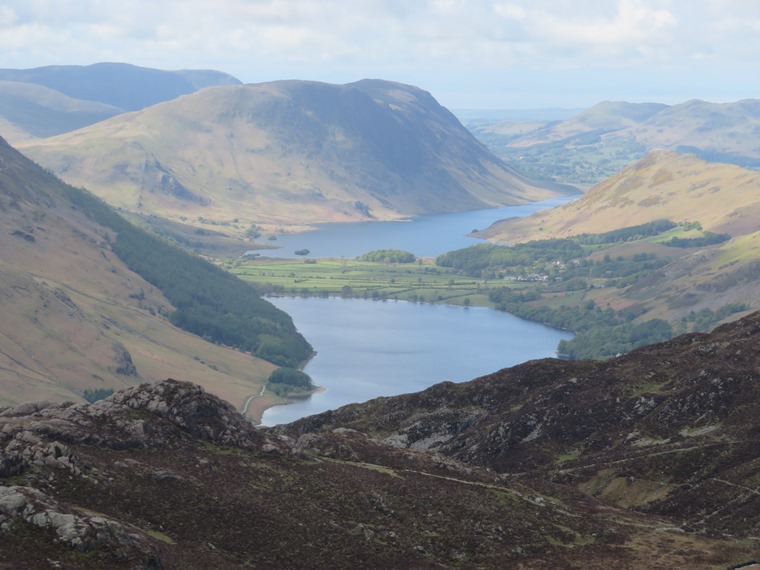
(670, 430)
(166, 476)
(289, 152)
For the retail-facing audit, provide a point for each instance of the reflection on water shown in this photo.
(426, 236)
(367, 349)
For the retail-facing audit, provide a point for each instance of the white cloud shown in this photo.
(438, 40)
(633, 23)
(8, 16)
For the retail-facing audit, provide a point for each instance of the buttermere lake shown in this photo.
(370, 348)
(367, 349)
(424, 236)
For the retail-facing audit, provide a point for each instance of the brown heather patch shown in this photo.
(339, 498)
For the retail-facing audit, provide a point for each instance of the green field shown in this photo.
(421, 281)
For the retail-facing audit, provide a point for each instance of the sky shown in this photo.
(470, 54)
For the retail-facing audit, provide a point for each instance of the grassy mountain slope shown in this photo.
(663, 185)
(650, 460)
(723, 199)
(75, 317)
(289, 152)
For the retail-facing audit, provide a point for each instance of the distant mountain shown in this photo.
(289, 152)
(719, 132)
(599, 141)
(83, 310)
(649, 460)
(29, 111)
(121, 85)
(605, 117)
(47, 101)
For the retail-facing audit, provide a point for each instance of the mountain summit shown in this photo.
(290, 152)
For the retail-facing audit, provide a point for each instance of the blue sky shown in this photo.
(468, 54)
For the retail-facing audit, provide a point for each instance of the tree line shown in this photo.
(208, 301)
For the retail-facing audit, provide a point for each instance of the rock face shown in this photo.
(128, 419)
(84, 532)
(650, 460)
(39, 437)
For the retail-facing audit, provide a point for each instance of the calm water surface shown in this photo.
(370, 348)
(426, 236)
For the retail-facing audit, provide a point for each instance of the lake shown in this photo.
(425, 236)
(370, 348)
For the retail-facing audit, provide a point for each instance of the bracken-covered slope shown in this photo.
(662, 185)
(76, 318)
(289, 152)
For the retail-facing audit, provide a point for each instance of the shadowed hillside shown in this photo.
(289, 152)
(28, 111)
(121, 85)
(47, 101)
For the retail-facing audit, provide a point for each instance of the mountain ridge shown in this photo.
(47, 101)
(289, 152)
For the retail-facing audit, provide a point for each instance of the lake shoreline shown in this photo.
(368, 350)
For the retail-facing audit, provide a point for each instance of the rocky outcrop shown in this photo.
(190, 408)
(38, 438)
(649, 460)
(663, 415)
(147, 415)
(82, 531)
